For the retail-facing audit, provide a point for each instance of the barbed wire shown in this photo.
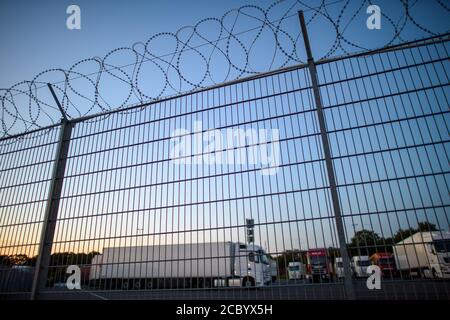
(212, 51)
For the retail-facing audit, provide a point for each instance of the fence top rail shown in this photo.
(407, 45)
(25, 133)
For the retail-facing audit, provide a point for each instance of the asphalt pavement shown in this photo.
(283, 289)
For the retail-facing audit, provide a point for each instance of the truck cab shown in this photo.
(386, 262)
(296, 271)
(425, 254)
(252, 266)
(319, 265)
(339, 268)
(439, 251)
(359, 266)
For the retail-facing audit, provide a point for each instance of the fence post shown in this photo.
(52, 207)
(348, 282)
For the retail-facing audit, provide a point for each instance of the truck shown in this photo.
(319, 265)
(339, 268)
(296, 270)
(359, 265)
(273, 269)
(191, 265)
(386, 262)
(424, 254)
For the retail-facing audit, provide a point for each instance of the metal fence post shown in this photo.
(52, 207)
(348, 283)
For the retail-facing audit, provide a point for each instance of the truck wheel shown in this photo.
(248, 282)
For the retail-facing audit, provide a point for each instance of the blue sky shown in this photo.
(34, 34)
(35, 38)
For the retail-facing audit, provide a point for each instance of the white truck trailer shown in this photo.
(191, 265)
(425, 254)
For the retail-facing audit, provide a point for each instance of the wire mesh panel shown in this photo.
(25, 174)
(161, 197)
(223, 193)
(388, 121)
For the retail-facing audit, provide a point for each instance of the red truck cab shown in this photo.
(319, 265)
(386, 262)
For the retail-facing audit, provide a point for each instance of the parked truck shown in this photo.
(339, 268)
(386, 262)
(319, 265)
(181, 265)
(359, 265)
(425, 254)
(296, 270)
(273, 269)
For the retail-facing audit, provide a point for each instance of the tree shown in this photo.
(426, 226)
(365, 242)
(59, 261)
(403, 234)
(423, 226)
(365, 238)
(4, 260)
(19, 259)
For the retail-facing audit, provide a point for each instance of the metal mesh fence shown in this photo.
(387, 119)
(25, 174)
(209, 194)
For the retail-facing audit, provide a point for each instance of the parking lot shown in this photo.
(280, 290)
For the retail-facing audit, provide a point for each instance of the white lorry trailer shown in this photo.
(191, 265)
(425, 254)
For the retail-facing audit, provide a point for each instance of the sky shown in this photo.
(35, 38)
